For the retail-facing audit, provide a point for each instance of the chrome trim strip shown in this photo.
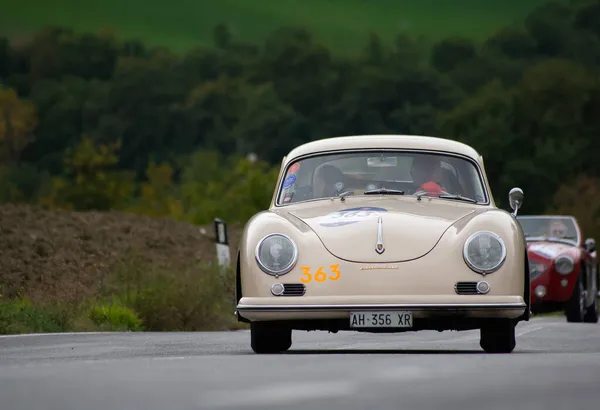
(403, 306)
(380, 247)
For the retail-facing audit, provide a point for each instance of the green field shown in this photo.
(342, 24)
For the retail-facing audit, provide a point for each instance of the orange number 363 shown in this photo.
(319, 275)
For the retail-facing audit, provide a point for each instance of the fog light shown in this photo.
(540, 291)
(483, 287)
(563, 283)
(277, 289)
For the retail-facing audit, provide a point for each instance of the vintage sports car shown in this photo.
(563, 268)
(383, 233)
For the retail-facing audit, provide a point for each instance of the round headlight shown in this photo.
(276, 254)
(564, 265)
(536, 269)
(484, 252)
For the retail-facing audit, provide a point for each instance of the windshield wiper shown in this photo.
(344, 194)
(459, 197)
(384, 191)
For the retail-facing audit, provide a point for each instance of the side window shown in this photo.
(467, 177)
(293, 182)
(474, 182)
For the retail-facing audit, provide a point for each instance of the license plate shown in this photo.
(381, 319)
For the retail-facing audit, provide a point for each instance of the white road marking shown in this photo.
(57, 334)
(528, 330)
(404, 373)
(279, 393)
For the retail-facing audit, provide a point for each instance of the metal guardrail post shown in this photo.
(222, 243)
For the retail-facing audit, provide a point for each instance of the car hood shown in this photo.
(549, 250)
(410, 228)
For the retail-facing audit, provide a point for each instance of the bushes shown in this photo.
(135, 297)
(23, 316)
(197, 298)
(115, 317)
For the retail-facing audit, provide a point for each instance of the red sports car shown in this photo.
(563, 267)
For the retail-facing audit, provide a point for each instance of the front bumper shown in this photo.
(425, 307)
(555, 288)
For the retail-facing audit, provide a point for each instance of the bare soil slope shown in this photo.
(66, 255)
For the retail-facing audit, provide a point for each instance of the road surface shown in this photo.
(556, 365)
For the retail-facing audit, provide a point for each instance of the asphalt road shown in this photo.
(556, 365)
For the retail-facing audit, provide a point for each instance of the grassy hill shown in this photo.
(342, 24)
(65, 271)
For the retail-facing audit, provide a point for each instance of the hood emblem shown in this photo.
(379, 248)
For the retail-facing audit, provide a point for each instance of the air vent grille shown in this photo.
(294, 289)
(466, 288)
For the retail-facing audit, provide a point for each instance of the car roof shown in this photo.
(389, 141)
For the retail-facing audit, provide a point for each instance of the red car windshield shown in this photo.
(550, 227)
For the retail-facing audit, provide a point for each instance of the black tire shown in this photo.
(498, 337)
(591, 313)
(269, 337)
(575, 307)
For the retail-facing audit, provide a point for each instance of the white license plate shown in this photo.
(381, 319)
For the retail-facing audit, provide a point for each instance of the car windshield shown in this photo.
(550, 227)
(382, 172)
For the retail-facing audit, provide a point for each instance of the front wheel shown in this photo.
(591, 313)
(269, 337)
(498, 337)
(575, 309)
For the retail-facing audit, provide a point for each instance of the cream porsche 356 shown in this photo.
(383, 233)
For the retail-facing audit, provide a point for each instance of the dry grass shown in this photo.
(67, 264)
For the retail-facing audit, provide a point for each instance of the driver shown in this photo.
(328, 182)
(426, 171)
(557, 229)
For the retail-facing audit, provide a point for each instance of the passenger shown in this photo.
(328, 182)
(426, 171)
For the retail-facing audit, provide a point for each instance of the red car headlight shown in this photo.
(536, 269)
(564, 265)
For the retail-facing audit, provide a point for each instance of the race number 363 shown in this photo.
(321, 274)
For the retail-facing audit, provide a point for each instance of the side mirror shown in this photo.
(515, 198)
(590, 245)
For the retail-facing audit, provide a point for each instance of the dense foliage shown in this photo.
(91, 122)
(342, 24)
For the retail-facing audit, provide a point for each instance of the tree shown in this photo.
(56, 52)
(18, 120)
(580, 198)
(158, 196)
(232, 188)
(95, 185)
(450, 52)
(269, 126)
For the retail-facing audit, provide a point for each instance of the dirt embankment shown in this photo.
(66, 255)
